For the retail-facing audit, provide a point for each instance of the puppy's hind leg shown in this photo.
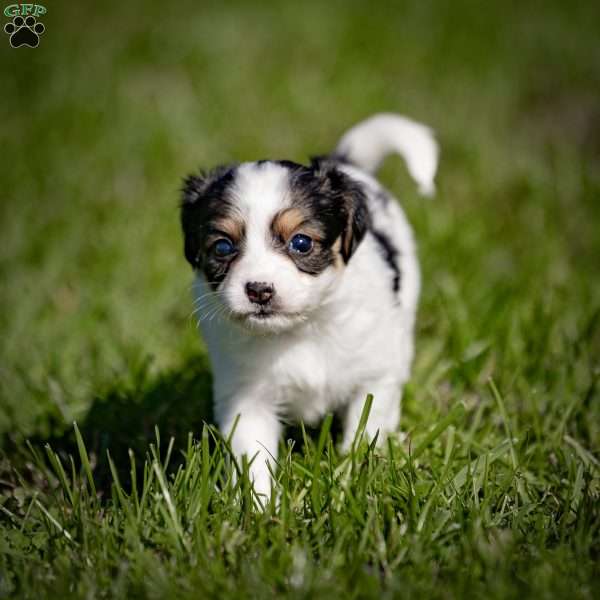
(384, 416)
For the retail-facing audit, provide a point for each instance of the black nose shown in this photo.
(259, 292)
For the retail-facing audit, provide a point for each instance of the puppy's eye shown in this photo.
(223, 248)
(300, 244)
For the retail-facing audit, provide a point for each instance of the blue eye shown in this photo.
(223, 248)
(300, 243)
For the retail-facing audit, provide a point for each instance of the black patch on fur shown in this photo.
(205, 200)
(331, 160)
(355, 203)
(288, 164)
(390, 255)
(388, 250)
(335, 206)
(337, 201)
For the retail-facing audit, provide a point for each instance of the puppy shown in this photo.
(307, 284)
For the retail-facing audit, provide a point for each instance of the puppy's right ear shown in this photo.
(193, 189)
(201, 197)
(196, 187)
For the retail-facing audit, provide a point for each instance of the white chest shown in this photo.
(309, 380)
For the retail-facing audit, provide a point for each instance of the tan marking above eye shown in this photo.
(231, 227)
(295, 220)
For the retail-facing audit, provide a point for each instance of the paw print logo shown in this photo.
(24, 32)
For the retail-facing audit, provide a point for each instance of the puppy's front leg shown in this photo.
(384, 416)
(256, 435)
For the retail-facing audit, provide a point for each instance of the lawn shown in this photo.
(493, 491)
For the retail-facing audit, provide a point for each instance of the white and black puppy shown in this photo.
(307, 286)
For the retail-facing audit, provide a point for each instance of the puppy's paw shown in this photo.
(262, 484)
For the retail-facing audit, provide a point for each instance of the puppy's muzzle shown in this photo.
(259, 292)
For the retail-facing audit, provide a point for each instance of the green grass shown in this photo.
(495, 490)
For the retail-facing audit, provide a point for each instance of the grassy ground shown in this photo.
(494, 492)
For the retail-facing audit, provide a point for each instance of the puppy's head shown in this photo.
(271, 239)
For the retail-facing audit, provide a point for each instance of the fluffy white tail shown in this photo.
(369, 142)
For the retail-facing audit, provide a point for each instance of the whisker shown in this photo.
(204, 296)
(210, 313)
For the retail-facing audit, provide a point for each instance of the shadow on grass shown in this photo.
(176, 403)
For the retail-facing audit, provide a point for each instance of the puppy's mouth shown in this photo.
(263, 313)
(260, 314)
(267, 317)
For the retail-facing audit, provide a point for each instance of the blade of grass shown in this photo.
(85, 461)
(453, 417)
(513, 454)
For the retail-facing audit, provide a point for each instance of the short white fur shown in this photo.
(341, 335)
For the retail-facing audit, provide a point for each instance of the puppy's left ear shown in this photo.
(352, 202)
(357, 219)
